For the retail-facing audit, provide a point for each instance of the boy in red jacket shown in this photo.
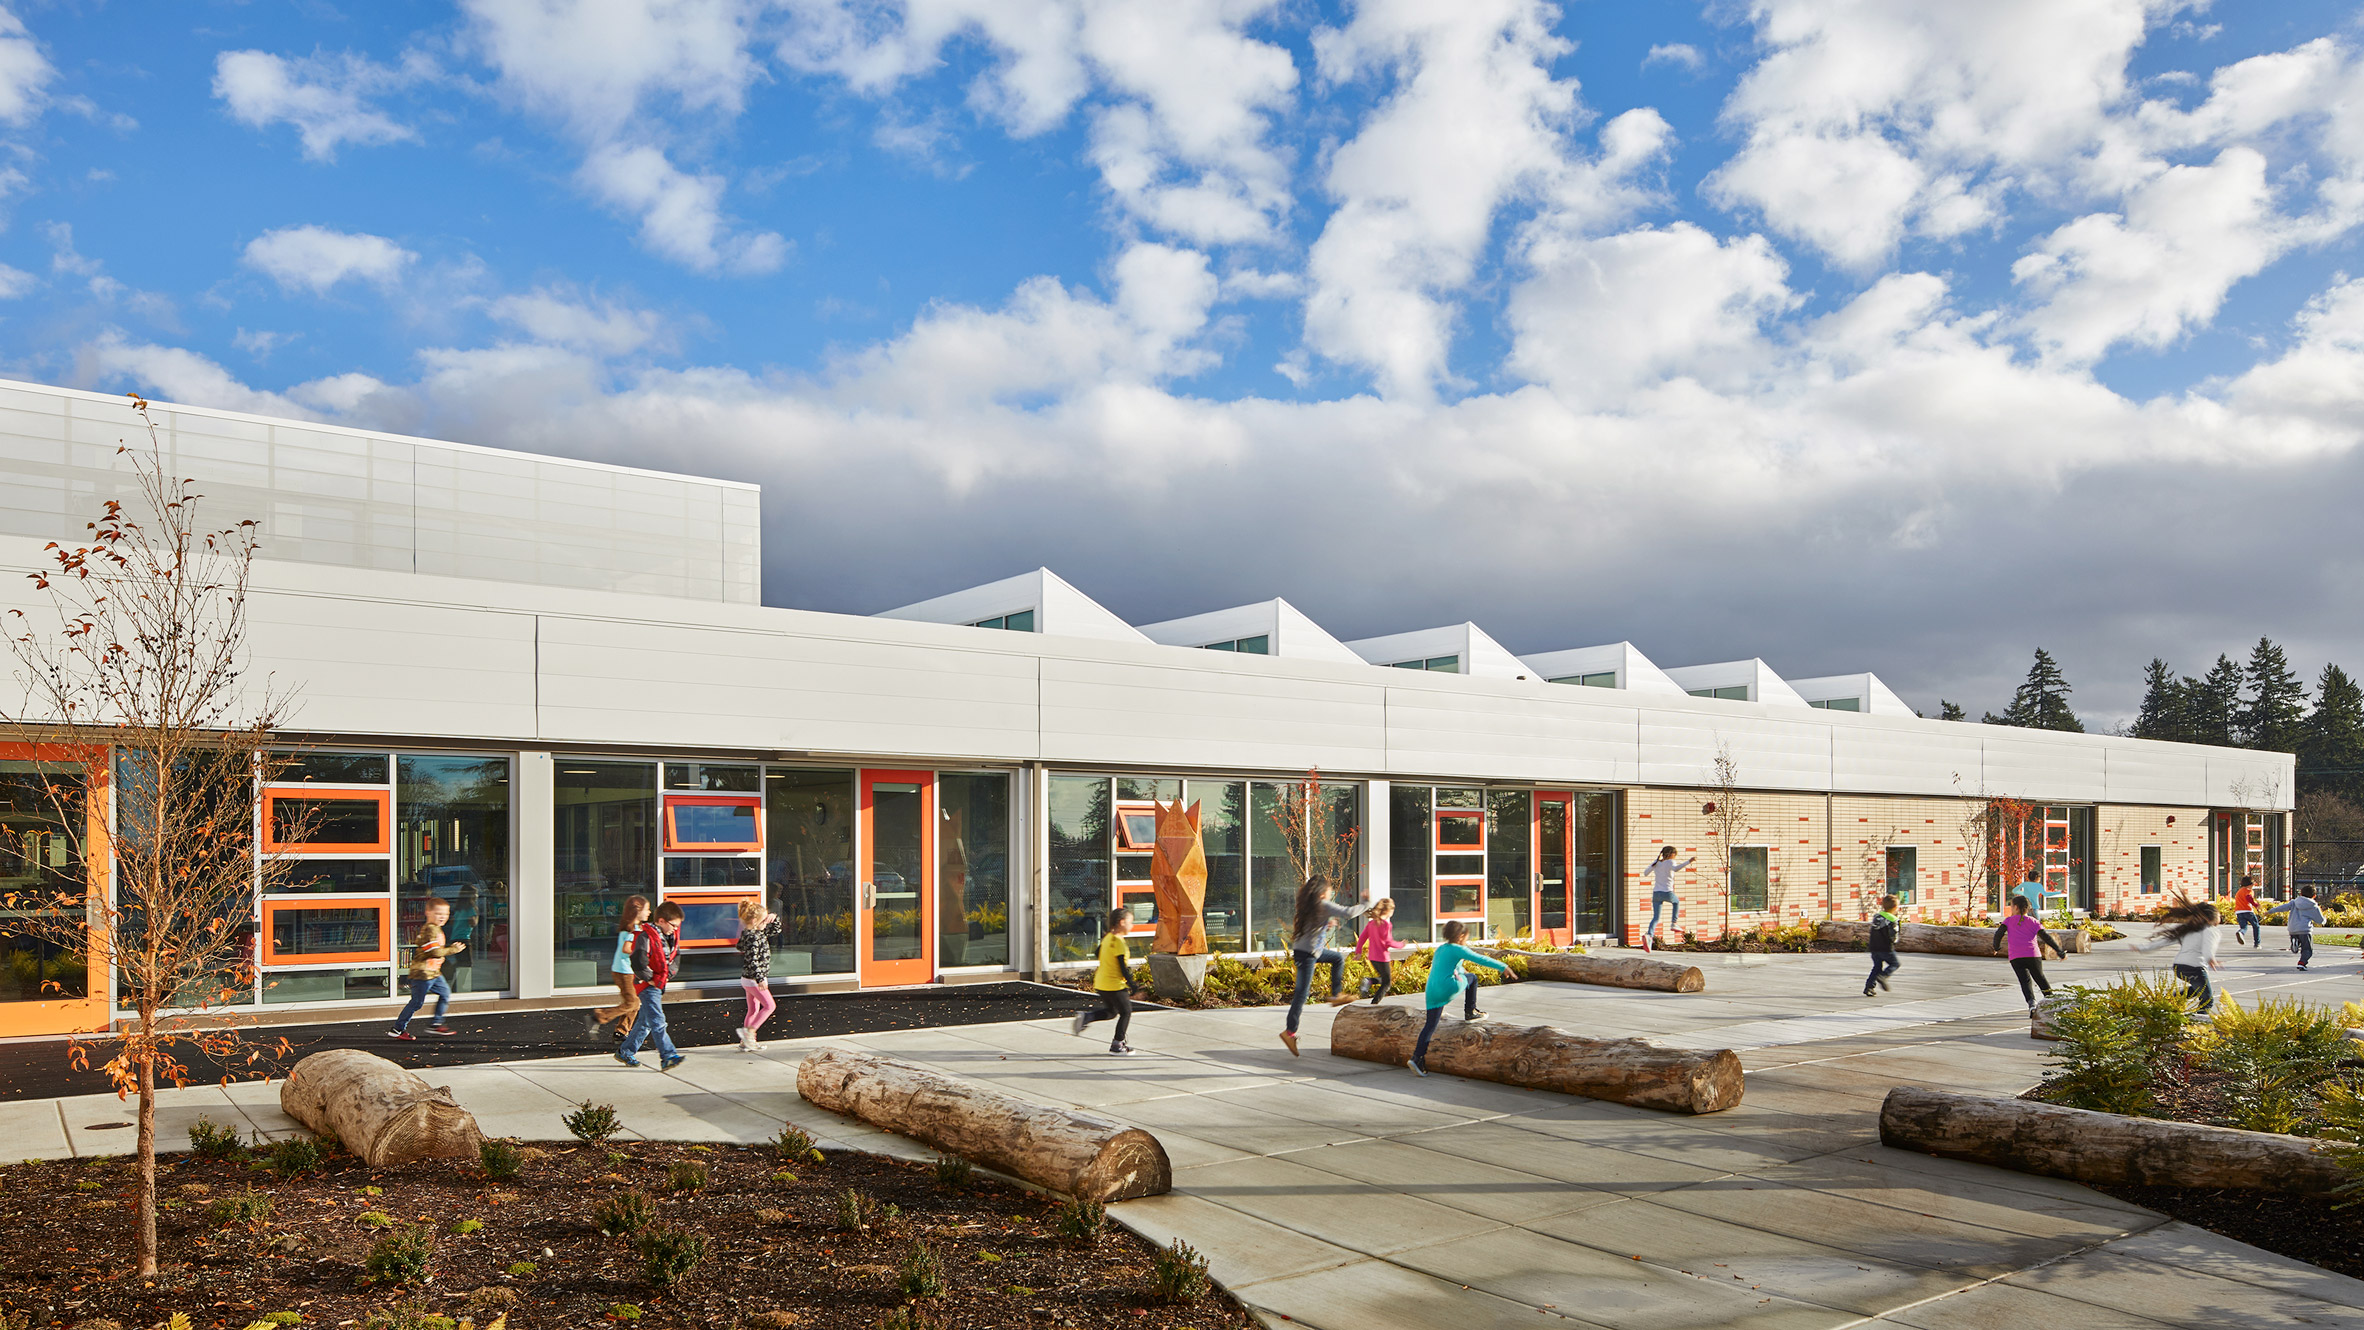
(654, 953)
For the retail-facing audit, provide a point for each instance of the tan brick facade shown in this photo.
(2120, 833)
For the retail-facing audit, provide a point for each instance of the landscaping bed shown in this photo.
(2303, 1228)
(780, 1250)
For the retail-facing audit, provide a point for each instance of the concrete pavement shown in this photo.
(1349, 1196)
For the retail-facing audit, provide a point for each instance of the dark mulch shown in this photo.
(776, 1246)
(2304, 1228)
(39, 1069)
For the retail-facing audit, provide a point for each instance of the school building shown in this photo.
(533, 687)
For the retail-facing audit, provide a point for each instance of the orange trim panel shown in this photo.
(674, 844)
(383, 799)
(378, 905)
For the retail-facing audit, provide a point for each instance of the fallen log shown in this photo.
(376, 1109)
(1941, 939)
(1624, 1071)
(1610, 971)
(2101, 1147)
(1063, 1150)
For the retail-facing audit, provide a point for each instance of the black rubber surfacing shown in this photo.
(39, 1069)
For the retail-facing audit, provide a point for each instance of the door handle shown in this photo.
(869, 895)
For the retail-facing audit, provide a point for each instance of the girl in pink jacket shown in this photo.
(1377, 945)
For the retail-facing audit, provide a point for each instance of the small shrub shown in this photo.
(401, 1257)
(208, 1141)
(246, 1207)
(954, 1172)
(783, 1177)
(2112, 1039)
(500, 1160)
(989, 1256)
(523, 1269)
(370, 1191)
(1079, 1220)
(281, 1318)
(377, 1219)
(617, 1159)
(467, 1226)
(668, 1255)
(794, 1143)
(2279, 1054)
(493, 1298)
(855, 1210)
(686, 1175)
(623, 1311)
(922, 1272)
(86, 1184)
(1180, 1275)
(623, 1214)
(593, 1124)
(292, 1155)
(908, 1317)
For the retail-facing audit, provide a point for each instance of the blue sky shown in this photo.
(1906, 336)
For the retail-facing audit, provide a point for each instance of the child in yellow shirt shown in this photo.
(1113, 983)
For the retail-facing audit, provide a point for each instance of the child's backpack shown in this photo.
(1883, 933)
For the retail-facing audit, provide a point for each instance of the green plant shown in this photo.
(1079, 1220)
(668, 1255)
(281, 1318)
(2111, 1041)
(623, 1311)
(1179, 1275)
(955, 1172)
(783, 1176)
(686, 1175)
(523, 1269)
(401, 1257)
(467, 1226)
(909, 1316)
(2341, 1125)
(593, 1123)
(208, 1141)
(623, 1214)
(500, 1160)
(246, 1207)
(855, 1210)
(291, 1155)
(377, 1219)
(493, 1297)
(370, 1191)
(2278, 1054)
(795, 1143)
(922, 1272)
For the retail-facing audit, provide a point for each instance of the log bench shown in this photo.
(1623, 1071)
(1609, 971)
(1941, 939)
(1062, 1150)
(381, 1112)
(2086, 1146)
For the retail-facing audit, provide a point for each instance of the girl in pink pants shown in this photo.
(758, 929)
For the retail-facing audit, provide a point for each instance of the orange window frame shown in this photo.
(1477, 814)
(272, 794)
(269, 955)
(675, 845)
(731, 898)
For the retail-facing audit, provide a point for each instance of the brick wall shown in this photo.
(1789, 826)
(2120, 832)
(1864, 829)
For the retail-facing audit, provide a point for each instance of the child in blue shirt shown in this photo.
(1446, 982)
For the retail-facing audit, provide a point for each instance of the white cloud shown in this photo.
(1675, 53)
(15, 283)
(566, 318)
(597, 65)
(325, 98)
(315, 258)
(680, 214)
(259, 342)
(25, 73)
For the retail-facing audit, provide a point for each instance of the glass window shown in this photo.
(1021, 622)
(328, 768)
(712, 870)
(1592, 863)
(1259, 645)
(366, 877)
(451, 843)
(1223, 646)
(1221, 818)
(39, 862)
(1751, 878)
(604, 832)
(697, 825)
(326, 819)
(973, 869)
(1904, 862)
(809, 847)
(713, 777)
(1272, 875)
(2153, 870)
(1458, 830)
(1130, 788)
(1410, 859)
(295, 933)
(1136, 829)
(1838, 704)
(1510, 894)
(1080, 882)
(327, 985)
(1736, 693)
(1605, 679)
(1446, 664)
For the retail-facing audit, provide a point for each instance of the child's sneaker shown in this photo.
(591, 1024)
(1289, 1037)
(626, 1058)
(1082, 1019)
(1645, 943)
(441, 1029)
(746, 1040)
(1867, 992)
(1120, 1050)
(1475, 1015)
(1364, 989)
(670, 1063)
(1417, 1069)
(400, 1034)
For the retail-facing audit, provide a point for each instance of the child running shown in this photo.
(1662, 897)
(1310, 947)
(1445, 979)
(1884, 927)
(1113, 984)
(619, 967)
(1376, 944)
(654, 953)
(2245, 914)
(2304, 915)
(758, 929)
(2023, 940)
(2191, 926)
(428, 949)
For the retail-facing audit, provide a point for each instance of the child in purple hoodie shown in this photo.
(2024, 940)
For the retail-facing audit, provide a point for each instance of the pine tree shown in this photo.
(2211, 704)
(1951, 710)
(2042, 702)
(2273, 715)
(2163, 704)
(2331, 760)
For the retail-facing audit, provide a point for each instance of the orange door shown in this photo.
(47, 987)
(1552, 831)
(893, 940)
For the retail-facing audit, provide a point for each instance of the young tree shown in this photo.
(141, 652)
(1727, 814)
(2327, 835)
(2042, 701)
(2211, 704)
(1317, 825)
(2331, 758)
(2161, 715)
(2273, 715)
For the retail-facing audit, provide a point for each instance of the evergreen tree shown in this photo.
(1951, 710)
(2042, 702)
(2211, 704)
(2163, 704)
(2331, 760)
(2273, 715)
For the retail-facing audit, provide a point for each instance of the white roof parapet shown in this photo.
(1058, 607)
(1286, 628)
(1471, 650)
(1869, 694)
(1756, 676)
(1635, 671)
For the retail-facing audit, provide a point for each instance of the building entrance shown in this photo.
(893, 938)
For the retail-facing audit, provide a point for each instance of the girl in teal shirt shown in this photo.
(1445, 982)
